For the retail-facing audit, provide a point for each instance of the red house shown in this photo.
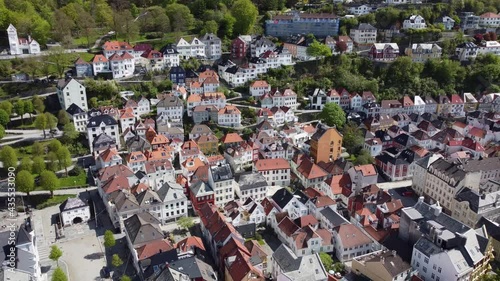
(239, 47)
(384, 51)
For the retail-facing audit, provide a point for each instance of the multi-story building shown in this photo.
(423, 52)
(170, 56)
(259, 88)
(82, 68)
(221, 179)
(364, 34)
(468, 20)
(360, 10)
(350, 242)
(102, 125)
(21, 46)
(174, 201)
(217, 99)
(326, 144)
(276, 171)
(466, 51)
(318, 98)
(414, 22)
(240, 47)
(79, 117)
(320, 25)
(70, 92)
(170, 108)
(121, 65)
(285, 265)
(382, 266)
(119, 47)
(252, 186)
(471, 205)
(384, 52)
(229, 116)
(489, 47)
(448, 22)
(212, 46)
(443, 248)
(195, 49)
(489, 20)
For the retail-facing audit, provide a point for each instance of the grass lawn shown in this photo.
(85, 56)
(72, 181)
(44, 200)
(82, 41)
(26, 150)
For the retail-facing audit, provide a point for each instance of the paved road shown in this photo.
(395, 184)
(69, 191)
(43, 53)
(41, 95)
(29, 135)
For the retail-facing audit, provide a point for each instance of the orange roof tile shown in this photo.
(231, 138)
(99, 58)
(229, 109)
(187, 243)
(153, 248)
(116, 46)
(271, 164)
(366, 170)
(259, 84)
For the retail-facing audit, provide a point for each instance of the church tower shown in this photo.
(13, 40)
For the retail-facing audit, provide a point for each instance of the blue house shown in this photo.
(178, 75)
(82, 68)
(320, 25)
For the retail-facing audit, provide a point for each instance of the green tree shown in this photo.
(38, 165)
(7, 106)
(52, 162)
(62, 117)
(338, 267)
(93, 102)
(61, 26)
(4, 118)
(227, 26)
(125, 278)
(363, 158)
(64, 158)
(333, 115)
(55, 254)
(210, 26)
(8, 156)
(59, 275)
(37, 149)
(49, 181)
(2, 132)
(54, 145)
(124, 25)
(109, 239)
(69, 133)
(353, 137)
(317, 49)
(38, 104)
(45, 121)
(326, 260)
(246, 13)
(25, 164)
(155, 20)
(116, 261)
(19, 109)
(58, 57)
(180, 17)
(25, 182)
(185, 222)
(28, 107)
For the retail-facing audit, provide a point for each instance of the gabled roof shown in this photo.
(282, 197)
(153, 248)
(351, 236)
(116, 46)
(99, 58)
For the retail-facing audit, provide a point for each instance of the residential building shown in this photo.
(326, 144)
(102, 124)
(252, 186)
(318, 98)
(177, 75)
(360, 10)
(471, 205)
(78, 116)
(489, 20)
(221, 179)
(489, 47)
(276, 171)
(349, 44)
(364, 34)
(170, 109)
(229, 116)
(82, 68)
(174, 202)
(21, 46)
(414, 22)
(117, 47)
(362, 176)
(217, 99)
(240, 46)
(423, 52)
(384, 52)
(351, 242)
(286, 265)
(309, 173)
(24, 246)
(466, 51)
(448, 22)
(443, 248)
(382, 266)
(212, 46)
(70, 92)
(74, 211)
(170, 56)
(468, 20)
(194, 49)
(320, 25)
(259, 88)
(260, 45)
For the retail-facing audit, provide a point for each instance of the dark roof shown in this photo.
(177, 69)
(24, 236)
(451, 170)
(428, 213)
(233, 69)
(194, 268)
(221, 172)
(286, 260)
(426, 246)
(486, 164)
(154, 264)
(74, 109)
(97, 120)
(301, 196)
(103, 140)
(282, 197)
(72, 203)
(135, 226)
(169, 49)
(366, 26)
(335, 218)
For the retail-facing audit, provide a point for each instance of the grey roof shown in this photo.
(4, 247)
(103, 140)
(366, 26)
(97, 120)
(72, 203)
(200, 185)
(486, 164)
(147, 197)
(251, 180)
(61, 84)
(210, 37)
(170, 191)
(427, 211)
(154, 264)
(221, 172)
(286, 260)
(475, 199)
(426, 246)
(169, 49)
(144, 224)
(201, 129)
(335, 218)
(392, 262)
(194, 268)
(170, 101)
(74, 109)
(137, 143)
(451, 170)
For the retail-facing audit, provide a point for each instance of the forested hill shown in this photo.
(78, 22)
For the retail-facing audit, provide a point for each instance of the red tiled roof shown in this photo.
(288, 226)
(80, 61)
(310, 170)
(99, 58)
(306, 220)
(116, 46)
(108, 154)
(489, 15)
(366, 170)
(153, 248)
(231, 138)
(192, 241)
(229, 109)
(456, 99)
(478, 133)
(271, 164)
(351, 236)
(259, 84)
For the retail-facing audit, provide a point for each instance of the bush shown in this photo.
(77, 170)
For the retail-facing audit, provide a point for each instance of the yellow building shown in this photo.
(326, 144)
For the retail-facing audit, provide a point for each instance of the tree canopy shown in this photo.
(8, 156)
(333, 115)
(25, 182)
(49, 181)
(246, 14)
(317, 49)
